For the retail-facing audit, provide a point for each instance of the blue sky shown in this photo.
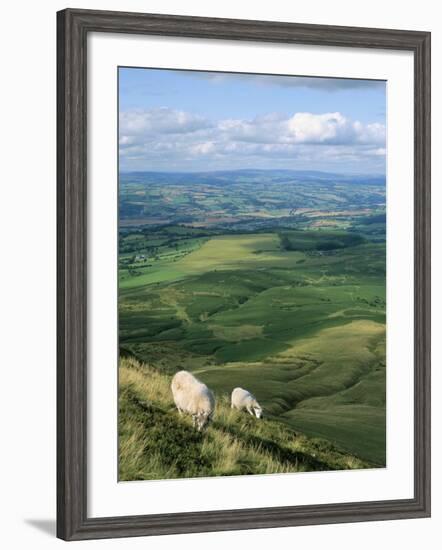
(191, 121)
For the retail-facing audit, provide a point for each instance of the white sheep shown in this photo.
(243, 399)
(193, 397)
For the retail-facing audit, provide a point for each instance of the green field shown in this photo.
(290, 307)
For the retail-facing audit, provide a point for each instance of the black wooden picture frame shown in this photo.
(73, 27)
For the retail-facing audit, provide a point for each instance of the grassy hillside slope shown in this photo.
(156, 443)
(302, 328)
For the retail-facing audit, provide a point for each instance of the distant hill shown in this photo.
(223, 177)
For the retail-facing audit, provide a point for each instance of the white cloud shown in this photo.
(167, 137)
(204, 148)
(325, 128)
(301, 128)
(160, 121)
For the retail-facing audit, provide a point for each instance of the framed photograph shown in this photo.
(243, 274)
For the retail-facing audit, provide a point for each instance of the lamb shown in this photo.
(193, 397)
(243, 399)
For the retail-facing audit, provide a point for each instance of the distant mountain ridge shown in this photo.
(221, 177)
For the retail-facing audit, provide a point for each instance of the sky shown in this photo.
(175, 120)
